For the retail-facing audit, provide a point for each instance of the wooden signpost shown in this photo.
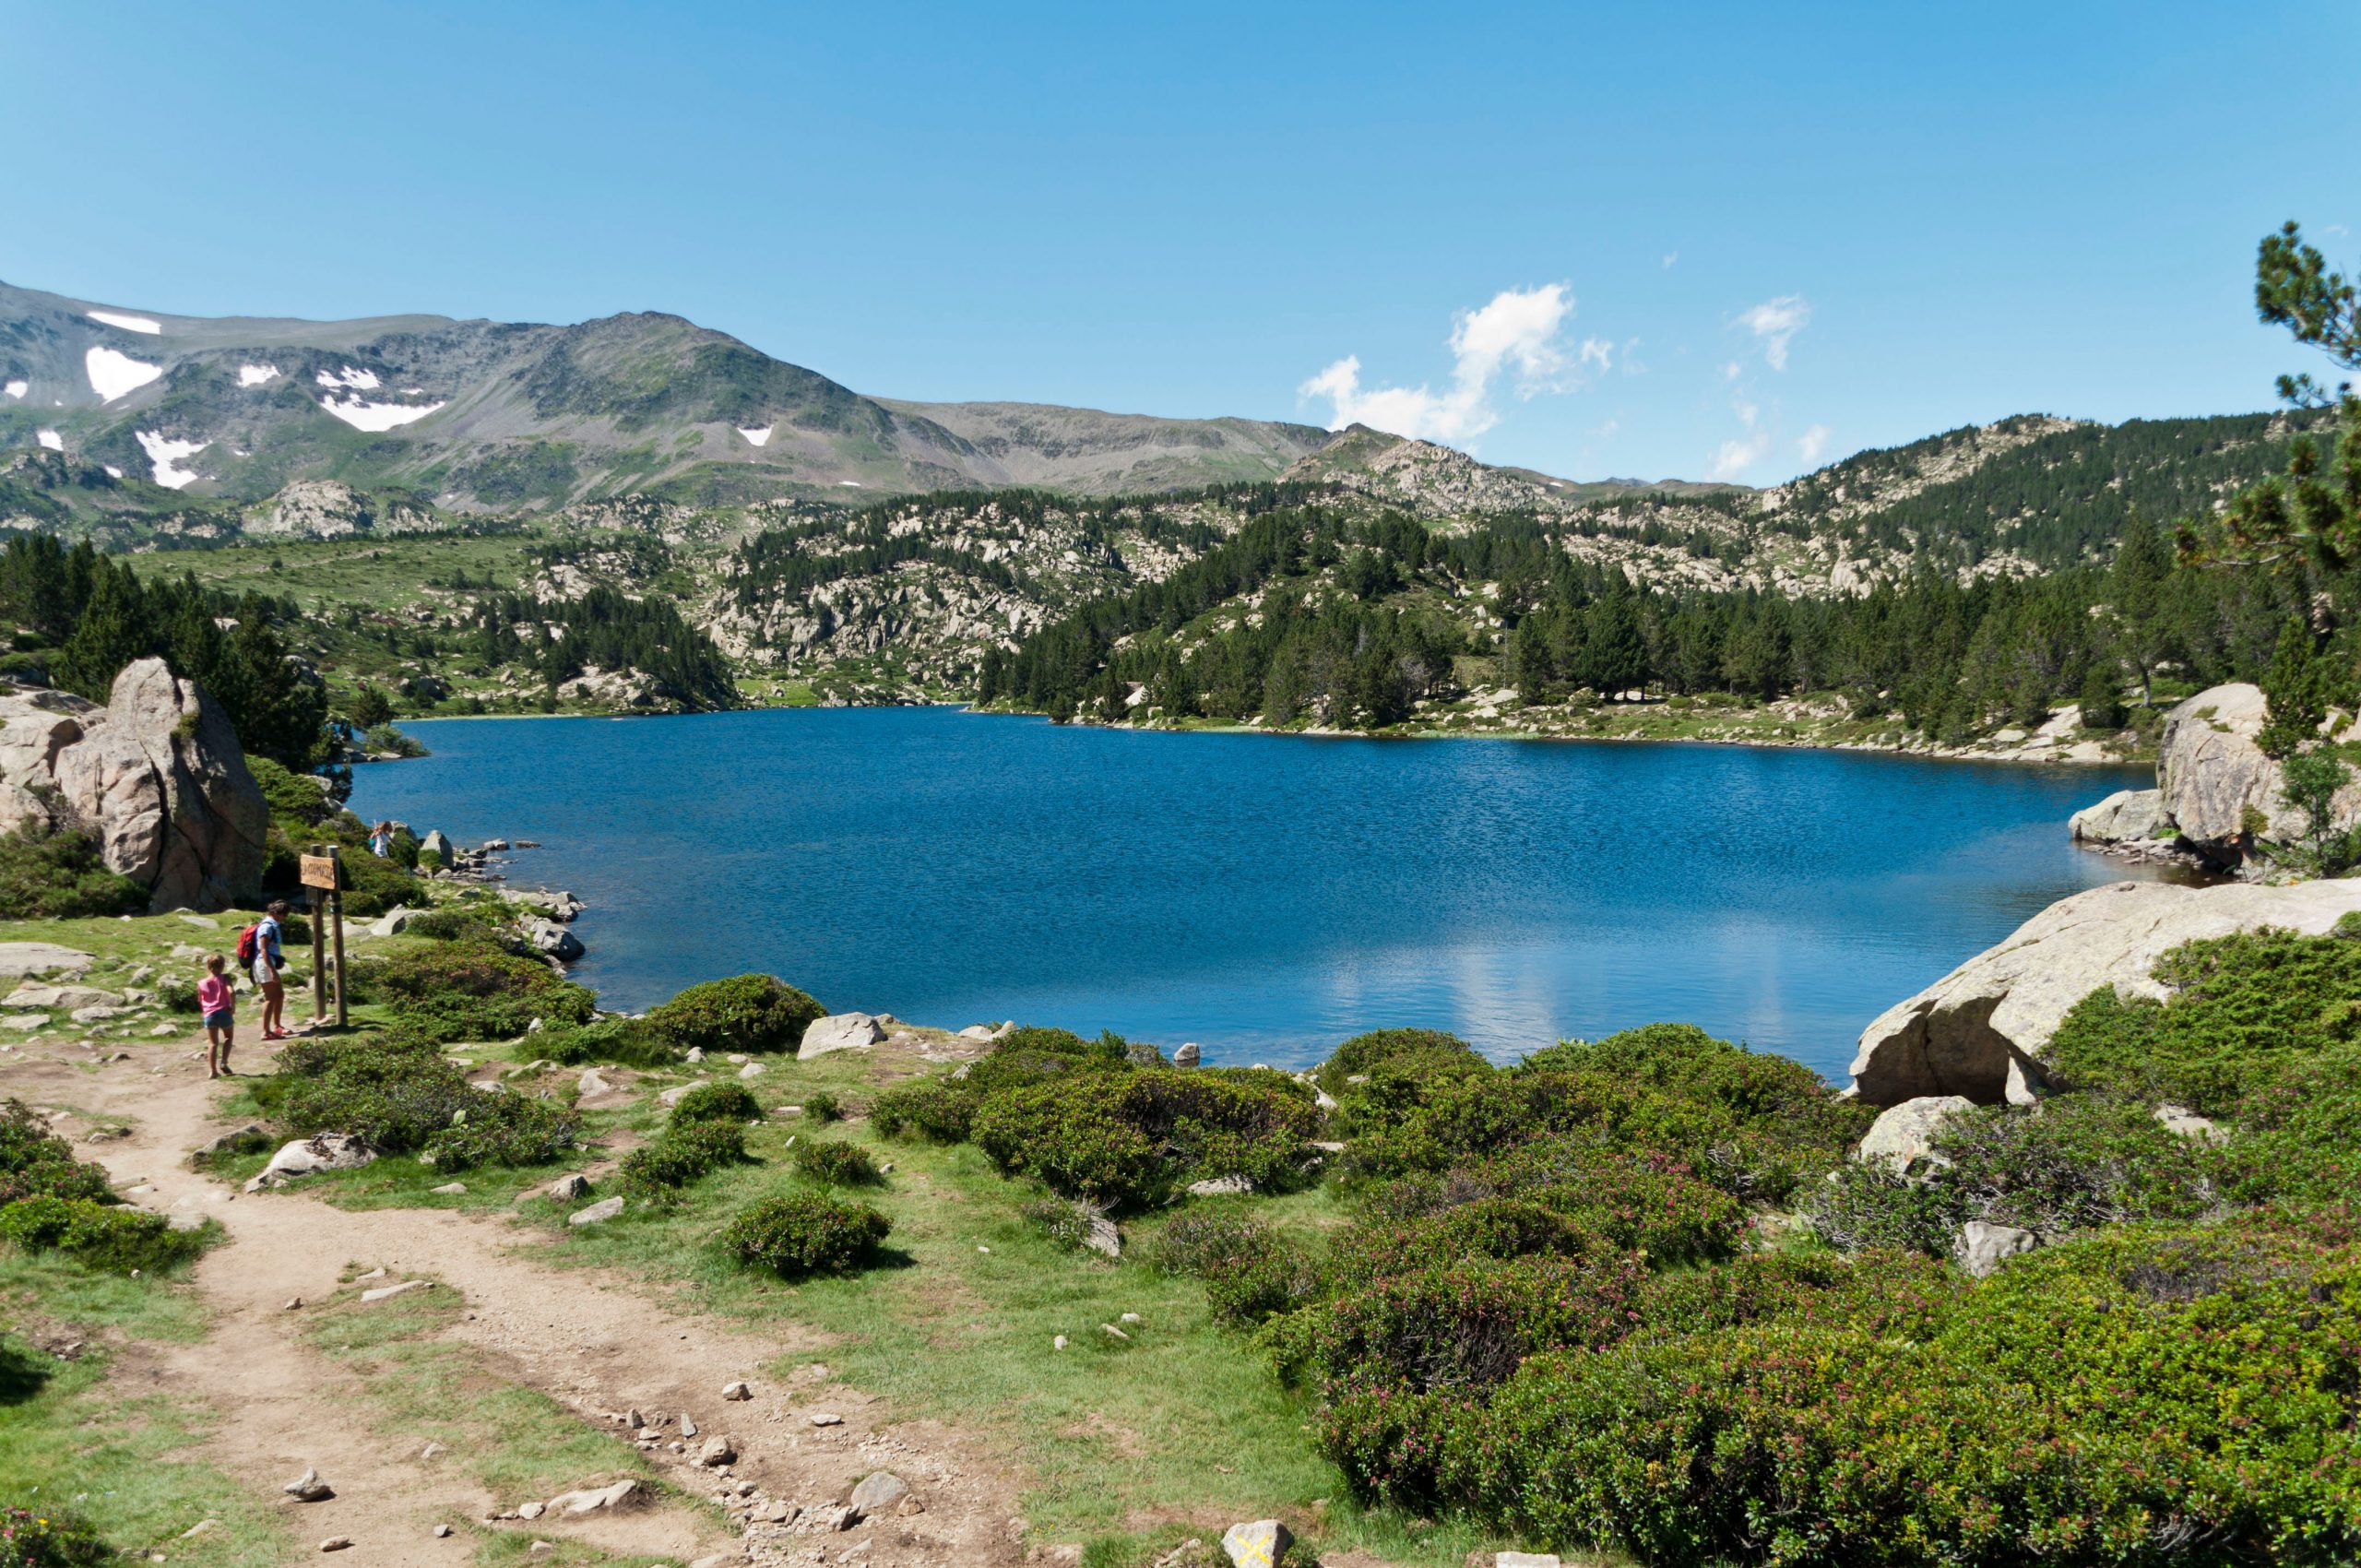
(320, 877)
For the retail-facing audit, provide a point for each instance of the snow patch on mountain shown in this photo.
(757, 437)
(50, 439)
(114, 375)
(164, 456)
(18, 388)
(128, 323)
(351, 375)
(361, 414)
(256, 375)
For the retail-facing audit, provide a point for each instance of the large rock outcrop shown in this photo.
(155, 776)
(2216, 785)
(1981, 1030)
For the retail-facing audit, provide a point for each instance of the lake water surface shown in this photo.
(1265, 896)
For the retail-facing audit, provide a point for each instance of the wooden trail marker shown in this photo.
(321, 875)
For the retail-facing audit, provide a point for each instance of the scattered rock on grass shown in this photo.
(386, 1292)
(598, 1213)
(1257, 1544)
(1981, 1248)
(308, 1157)
(593, 1500)
(567, 1188)
(840, 1031)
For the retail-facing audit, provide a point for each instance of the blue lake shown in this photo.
(1265, 896)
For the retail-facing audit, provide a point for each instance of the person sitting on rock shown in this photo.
(218, 1001)
(269, 961)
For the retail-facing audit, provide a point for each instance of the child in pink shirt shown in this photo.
(218, 1003)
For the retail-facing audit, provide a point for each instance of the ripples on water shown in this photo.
(1265, 896)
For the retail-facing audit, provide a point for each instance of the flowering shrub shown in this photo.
(462, 990)
(39, 1537)
(35, 1163)
(799, 1233)
(1249, 1271)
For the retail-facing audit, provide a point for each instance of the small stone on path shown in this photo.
(387, 1292)
(337, 1543)
(826, 1418)
(309, 1488)
(1257, 1544)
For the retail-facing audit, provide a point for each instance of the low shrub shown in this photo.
(749, 1013)
(1065, 1225)
(716, 1102)
(398, 1094)
(35, 1162)
(837, 1164)
(2243, 1011)
(57, 873)
(682, 1156)
(796, 1234)
(464, 991)
(506, 1129)
(1132, 1137)
(2122, 1399)
(941, 1110)
(1250, 1272)
(1035, 1055)
(627, 1042)
(103, 1236)
(1364, 1053)
(457, 921)
(2082, 1160)
(822, 1107)
(177, 992)
(47, 1538)
(372, 885)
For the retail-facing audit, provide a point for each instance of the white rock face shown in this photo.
(2123, 817)
(156, 776)
(115, 374)
(1980, 1031)
(840, 1031)
(19, 959)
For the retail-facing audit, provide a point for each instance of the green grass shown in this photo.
(72, 1440)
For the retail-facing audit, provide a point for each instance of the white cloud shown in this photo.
(1775, 323)
(1732, 370)
(1598, 351)
(1517, 332)
(1669, 257)
(1733, 457)
(1603, 430)
(1812, 443)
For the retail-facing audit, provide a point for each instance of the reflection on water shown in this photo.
(1264, 896)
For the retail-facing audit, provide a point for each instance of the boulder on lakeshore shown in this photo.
(1981, 1032)
(2128, 816)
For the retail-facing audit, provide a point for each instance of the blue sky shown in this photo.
(1647, 240)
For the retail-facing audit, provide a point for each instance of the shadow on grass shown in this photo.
(24, 1372)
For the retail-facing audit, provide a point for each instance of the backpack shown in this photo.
(249, 945)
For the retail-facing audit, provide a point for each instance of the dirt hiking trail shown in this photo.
(584, 1337)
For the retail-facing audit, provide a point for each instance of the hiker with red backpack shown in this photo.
(260, 954)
